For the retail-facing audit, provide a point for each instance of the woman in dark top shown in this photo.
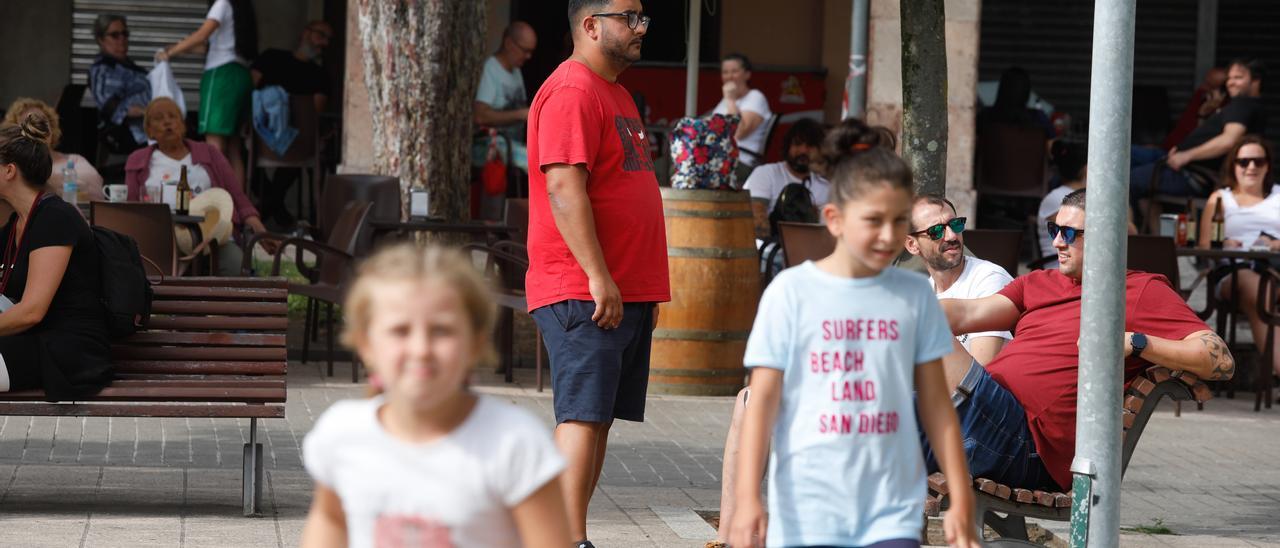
(54, 336)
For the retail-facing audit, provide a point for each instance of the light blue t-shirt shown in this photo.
(502, 90)
(846, 466)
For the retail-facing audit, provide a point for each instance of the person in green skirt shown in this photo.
(231, 33)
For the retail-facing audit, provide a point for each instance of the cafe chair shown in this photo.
(1268, 289)
(506, 270)
(151, 225)
(303, 153)
(326, 279)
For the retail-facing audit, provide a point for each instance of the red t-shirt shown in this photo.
(577, 117)
(1040, 365)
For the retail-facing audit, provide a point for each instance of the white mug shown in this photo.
(117, 193)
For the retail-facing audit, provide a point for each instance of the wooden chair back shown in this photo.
(804, 242)
(151, 225)
(1011, 161)
(381, 191)
(346, 236)
(995, 245)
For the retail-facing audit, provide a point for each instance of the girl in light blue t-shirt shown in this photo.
(838, 349)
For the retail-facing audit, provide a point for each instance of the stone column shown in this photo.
(357, 128)
(884, 80)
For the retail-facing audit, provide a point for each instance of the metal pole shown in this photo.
(691, 70)
(1095, 513)
(855, 85)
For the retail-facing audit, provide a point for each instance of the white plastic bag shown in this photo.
(163, 84)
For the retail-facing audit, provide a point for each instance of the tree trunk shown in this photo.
(422, 64)
(924, 93)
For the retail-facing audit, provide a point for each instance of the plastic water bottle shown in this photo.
(69, 186)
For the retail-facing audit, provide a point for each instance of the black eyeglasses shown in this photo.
(1259, 161)
(633, 19)
(117, 34)
(1069, 233)
(936, 232)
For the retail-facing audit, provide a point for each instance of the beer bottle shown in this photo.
(1216, 231)
(184, 193)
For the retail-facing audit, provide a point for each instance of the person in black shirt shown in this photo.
(297, 71)
(299, 74)
(53, 332)
(1207, 144)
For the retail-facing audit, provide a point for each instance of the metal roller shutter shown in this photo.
(1053, 41)
(1247, 29)
(152, 24)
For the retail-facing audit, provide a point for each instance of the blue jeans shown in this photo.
(997, 441)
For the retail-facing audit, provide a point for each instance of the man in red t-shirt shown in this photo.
(597, 240)
(1018, 413)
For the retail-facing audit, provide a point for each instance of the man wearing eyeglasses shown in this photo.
(1018, 413)
(501, 101)
(937, 238)
(597, 241)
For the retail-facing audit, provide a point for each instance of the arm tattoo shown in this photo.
(1224, 366)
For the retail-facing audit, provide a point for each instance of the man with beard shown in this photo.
(936, 237)
(501, 101)
(1018, 413)
(597, 241)
(297, 71)
(801, 145)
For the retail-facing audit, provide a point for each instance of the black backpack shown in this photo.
(795, 204)
(126, 292)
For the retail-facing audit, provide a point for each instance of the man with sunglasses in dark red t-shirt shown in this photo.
(1021, 407)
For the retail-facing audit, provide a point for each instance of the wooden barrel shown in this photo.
(715, 287)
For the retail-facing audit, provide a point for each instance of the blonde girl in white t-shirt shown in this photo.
(837, 350)
(427, 461)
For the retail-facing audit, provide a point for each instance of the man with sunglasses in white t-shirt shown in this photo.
(936, 237)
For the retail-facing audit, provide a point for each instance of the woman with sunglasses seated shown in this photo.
(1250, 207)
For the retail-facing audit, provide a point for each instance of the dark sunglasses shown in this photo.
(936, 232)
(633, 19)
(1257, 161)
(1069, 233)
(116, 35)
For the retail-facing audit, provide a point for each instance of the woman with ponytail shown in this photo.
(52, 325)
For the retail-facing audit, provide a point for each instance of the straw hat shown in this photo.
(216, 207)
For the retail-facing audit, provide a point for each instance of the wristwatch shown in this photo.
(1139, 343)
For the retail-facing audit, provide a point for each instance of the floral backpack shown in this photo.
(704, 153)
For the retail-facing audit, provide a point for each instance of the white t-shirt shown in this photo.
(222, 43)
(1051, 203)
(455, 491)
(165, 169)
(753, 101)
(1246, 224)
(499, 88)
(979, 279)
(767, 181)
(845, 466)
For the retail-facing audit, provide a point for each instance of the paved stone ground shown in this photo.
(1208, 476)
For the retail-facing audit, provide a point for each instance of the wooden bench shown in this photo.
(1140, 401)
(215, 348)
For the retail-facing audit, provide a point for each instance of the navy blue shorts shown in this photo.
(597, 375)
(997, 440)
